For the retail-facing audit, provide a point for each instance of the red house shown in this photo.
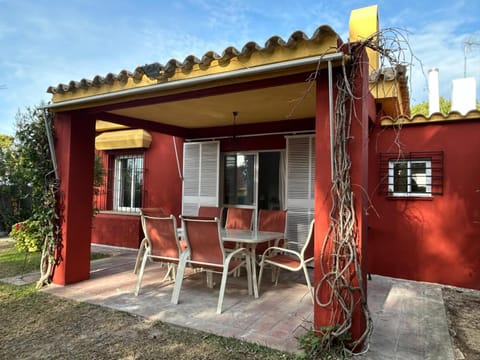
(256, 128)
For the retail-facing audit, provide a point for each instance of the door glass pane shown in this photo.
(239, 179)
(268, 180)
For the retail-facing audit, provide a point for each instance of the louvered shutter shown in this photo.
(201, 163)
(300, 185)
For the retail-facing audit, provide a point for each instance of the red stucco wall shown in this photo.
(435, 240)
(117, 230)
(163, 188)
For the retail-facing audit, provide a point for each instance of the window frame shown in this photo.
(116, 206)
(409, 177)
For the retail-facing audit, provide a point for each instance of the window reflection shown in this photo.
(239, 179)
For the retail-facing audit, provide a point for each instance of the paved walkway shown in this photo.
(410, 321)
(409, 317)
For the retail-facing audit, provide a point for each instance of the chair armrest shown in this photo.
(280, 250)
(235, 252)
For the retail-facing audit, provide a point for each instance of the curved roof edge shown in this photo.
(159, 72)
(434, 118)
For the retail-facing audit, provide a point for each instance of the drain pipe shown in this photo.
(330, 114)
(50, 143)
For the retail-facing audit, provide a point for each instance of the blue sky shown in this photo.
(45, 43)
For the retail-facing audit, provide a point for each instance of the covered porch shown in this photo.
(283, 88)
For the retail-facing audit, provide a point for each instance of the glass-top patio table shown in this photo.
(249, 239)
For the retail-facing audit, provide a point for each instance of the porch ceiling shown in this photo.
(284, 102)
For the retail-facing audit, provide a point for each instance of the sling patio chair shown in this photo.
(240, 219)
(289, 259)
(162, 244)
(205, 250)
(271, 220)
(153, 212)
(210, 211)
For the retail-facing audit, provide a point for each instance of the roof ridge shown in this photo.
(161, 72)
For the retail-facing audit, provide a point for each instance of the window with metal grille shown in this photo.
(414, 174)
(127, 184)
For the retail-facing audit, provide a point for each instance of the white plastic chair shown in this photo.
(289, 259)
(205, 250)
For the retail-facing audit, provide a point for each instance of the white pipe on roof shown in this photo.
(198, 80)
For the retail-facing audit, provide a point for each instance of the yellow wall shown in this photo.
(363, 24)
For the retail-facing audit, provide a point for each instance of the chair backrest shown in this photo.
(161, 233)
(307, 251)
(202, 235)
(210, 211)
(272, 220)
(155, 211)
(241, 219)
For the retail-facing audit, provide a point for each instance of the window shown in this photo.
(413, 174)
(239, 179)
(128, 180)
(410, 177)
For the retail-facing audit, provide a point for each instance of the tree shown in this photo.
(25, 165)
(445, 107)
(5, 144)
(422, 108)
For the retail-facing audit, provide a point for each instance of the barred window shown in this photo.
(128, 181)
(415, 174)
(410, 177)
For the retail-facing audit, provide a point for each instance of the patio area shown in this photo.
(409, 317)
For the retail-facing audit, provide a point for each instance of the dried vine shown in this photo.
(51, 234)
(340, 256)
(340, 243)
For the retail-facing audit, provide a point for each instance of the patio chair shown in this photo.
(162, 244)
(241, 219)
(237, 218)
(210, 211)
(205, 250)
(271, 220)
(154, 212)
(290, 259)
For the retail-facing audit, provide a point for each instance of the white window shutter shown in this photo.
(201, 164)
(300, 185)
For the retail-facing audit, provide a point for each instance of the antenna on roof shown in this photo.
(467, 45)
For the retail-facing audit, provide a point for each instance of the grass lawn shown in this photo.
(39, 325)
(14, 262)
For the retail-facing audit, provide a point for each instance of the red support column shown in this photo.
(358, 151)
(74, 148)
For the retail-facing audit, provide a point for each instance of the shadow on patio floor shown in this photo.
(275, 319)
(409, 317)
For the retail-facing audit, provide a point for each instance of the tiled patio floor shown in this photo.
(275, 319)
(409, 317)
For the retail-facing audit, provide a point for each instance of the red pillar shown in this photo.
(358, 151)
(74, 148)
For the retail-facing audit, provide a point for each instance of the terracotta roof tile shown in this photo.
(434, 118)
(159, 71)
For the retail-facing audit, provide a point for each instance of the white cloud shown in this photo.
(46, 44)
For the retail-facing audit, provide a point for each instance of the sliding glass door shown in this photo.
(253, 180)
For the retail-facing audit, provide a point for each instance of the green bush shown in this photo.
(27, 236)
